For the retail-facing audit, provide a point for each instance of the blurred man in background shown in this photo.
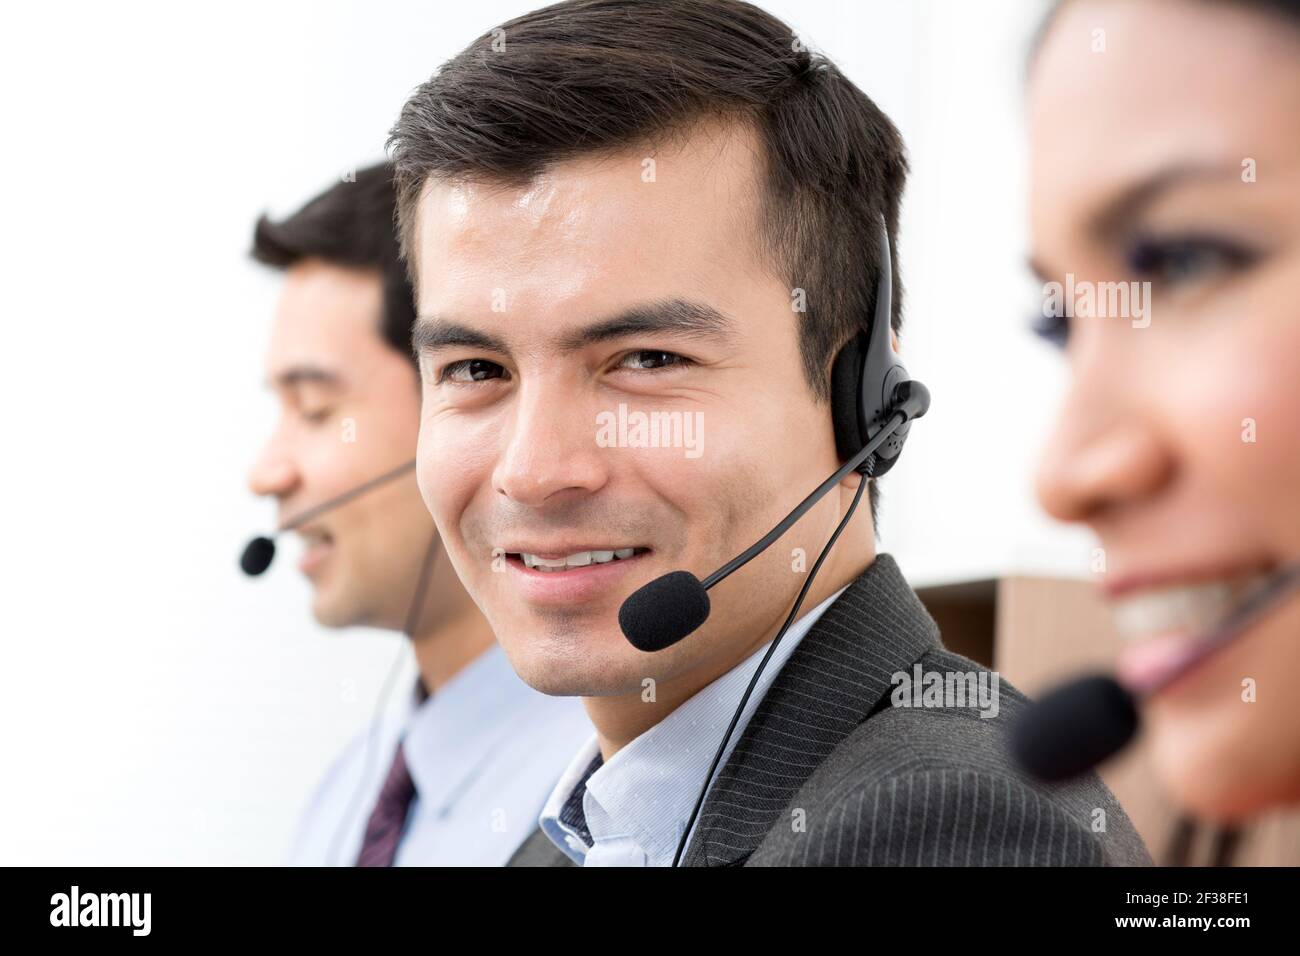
(463, 778)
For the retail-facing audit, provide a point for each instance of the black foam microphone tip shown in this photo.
(257, 556)
(661, 613)
(1074, 728)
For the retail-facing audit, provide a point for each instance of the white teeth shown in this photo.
(1191, 609)
(579, 560)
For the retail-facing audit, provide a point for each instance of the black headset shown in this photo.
(865, 377)
(873, 402)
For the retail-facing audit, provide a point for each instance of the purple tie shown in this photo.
(384, 829)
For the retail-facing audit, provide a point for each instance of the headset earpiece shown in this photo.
(846, 395)
(864, 376)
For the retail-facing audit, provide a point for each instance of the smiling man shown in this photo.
(460, 779)
(672, 208)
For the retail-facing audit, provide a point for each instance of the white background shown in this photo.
(155, 706)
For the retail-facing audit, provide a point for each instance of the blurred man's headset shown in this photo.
(257, 557)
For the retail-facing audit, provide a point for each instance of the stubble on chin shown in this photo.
(563, 659)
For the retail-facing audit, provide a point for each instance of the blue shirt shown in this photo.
(483, 752)
(632, 810)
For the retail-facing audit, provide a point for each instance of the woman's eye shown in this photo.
(471, 370)
(1053, 329)
(651, 360)
(316, 416)
(1168, 264)
(1175, 262)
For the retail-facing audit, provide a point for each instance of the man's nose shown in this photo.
(550, 449)
(273, 473)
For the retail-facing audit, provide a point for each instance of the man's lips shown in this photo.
(560, 559)
(318, 545)
(583, 577)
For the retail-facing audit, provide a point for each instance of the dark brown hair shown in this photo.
(349, 224)
(587, 76)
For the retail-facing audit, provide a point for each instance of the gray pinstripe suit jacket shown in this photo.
(829, 772)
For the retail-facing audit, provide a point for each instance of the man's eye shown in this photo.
(471, 370)
(651, 360)
(1183, 261)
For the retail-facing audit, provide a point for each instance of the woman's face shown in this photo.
(1165, 142)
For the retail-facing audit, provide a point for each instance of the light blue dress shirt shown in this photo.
(483, 752)
(636, 805)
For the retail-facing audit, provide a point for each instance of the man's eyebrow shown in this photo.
(672, 316)
(306, 374)
(432, 333)
(1118, 214)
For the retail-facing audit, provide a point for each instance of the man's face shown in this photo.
(349, 410)
(553, 315)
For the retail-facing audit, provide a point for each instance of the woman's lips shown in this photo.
(1148, 664)
(1119, 587)
(573, 585)
(1167, 629)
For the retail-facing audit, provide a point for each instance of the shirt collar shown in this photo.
(452, 732)
(646, 791)
(559, 816)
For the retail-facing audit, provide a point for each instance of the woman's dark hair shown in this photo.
(350, 224)
(1289, 9)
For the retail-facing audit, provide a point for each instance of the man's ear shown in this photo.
(850, 481)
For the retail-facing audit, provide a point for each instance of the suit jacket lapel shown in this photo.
(839, 672)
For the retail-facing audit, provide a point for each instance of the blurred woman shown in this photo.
(1165, 138)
